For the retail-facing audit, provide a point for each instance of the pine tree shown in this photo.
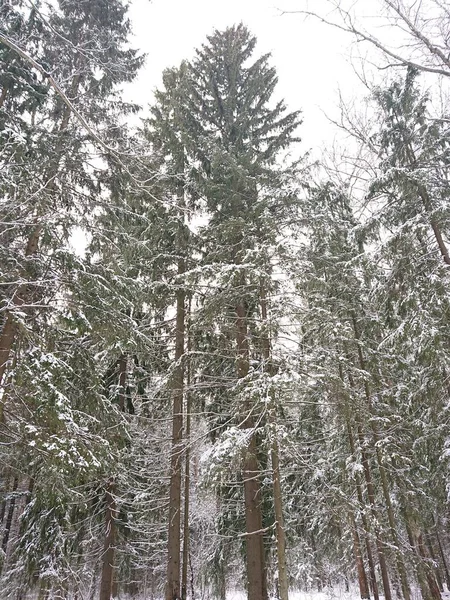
(235, 136)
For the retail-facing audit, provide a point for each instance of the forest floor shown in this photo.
(334, 593)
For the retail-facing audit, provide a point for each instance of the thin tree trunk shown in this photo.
(7, 480)
(283, 585)
(187, 478)
(9, 517)
(3, 95)
(173, 588)
(122, 381)
(107, 577)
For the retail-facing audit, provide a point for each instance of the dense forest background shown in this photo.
(223, 365)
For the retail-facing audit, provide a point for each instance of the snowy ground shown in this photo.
(328, 594)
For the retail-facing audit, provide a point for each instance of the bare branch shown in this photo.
(349, 27)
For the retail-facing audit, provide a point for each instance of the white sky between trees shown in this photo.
(312, 60)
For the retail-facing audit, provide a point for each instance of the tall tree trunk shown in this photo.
(173, 591)
(283, 582)
(255, 555)
(107, 577)
(187, 472)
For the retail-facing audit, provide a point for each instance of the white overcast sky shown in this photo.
(312, 60)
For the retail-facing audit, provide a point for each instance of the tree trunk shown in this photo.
(362, 577)
(255, 556)
(187, 474)
(283, 585)
(283, 582)
(256, 571)
(122, 381)
(173, 591)
(9, 518)
(107, 578)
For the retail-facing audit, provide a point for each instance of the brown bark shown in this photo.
(256, 570)
(107, 577)
(255, 556)
(362, 577)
